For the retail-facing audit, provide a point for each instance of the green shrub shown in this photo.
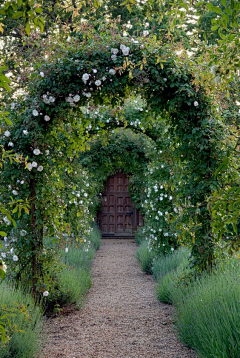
(71, 278)
(208, 316)
(208, 308)
(145, 257)
(165, 264)
(95, 238)
(77, 257)
(170, 286)
(140, 235)
(25, 344)
(73, 285)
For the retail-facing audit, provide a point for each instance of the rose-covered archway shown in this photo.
(53, 123)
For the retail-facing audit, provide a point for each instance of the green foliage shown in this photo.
(145, 257)
(95, 238)
(78, 257)
(211, 309)
(21, 320)
(166, 264)
(207, 305)
(73, 285)
(28, 12)
(140, 236)
(171, 271)
(113, 156)
(169, 286)
(70, 277)
(69, 104)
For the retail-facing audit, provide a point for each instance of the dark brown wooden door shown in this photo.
(118, 216)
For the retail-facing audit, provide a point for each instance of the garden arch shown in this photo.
(118, 162)
(104, 70)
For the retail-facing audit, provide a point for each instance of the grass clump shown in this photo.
(169, 271)
(145, 257)
(29, 321)
(170, 286)
(208, 316)
(71, 276)
(207, 307)
(73, 285)
(165, 264)
(140, 235)
(95, 237)
(77, 257)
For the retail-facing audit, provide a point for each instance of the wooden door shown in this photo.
(118, 216)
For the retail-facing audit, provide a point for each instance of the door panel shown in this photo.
(118, 215)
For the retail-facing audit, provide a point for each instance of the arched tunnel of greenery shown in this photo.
(86, 94)
(94, 89)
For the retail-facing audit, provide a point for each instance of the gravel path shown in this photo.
(121, 318)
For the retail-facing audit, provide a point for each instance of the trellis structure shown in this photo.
(105, 71)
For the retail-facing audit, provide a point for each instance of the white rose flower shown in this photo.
(112, 71)
(40, 168)
(45, 293)
(25, 132)
(114, 57)
(35, 113)
(69, 99)
(15, 258)
(98, 83)
(172, 248)
(165, 79)
(22, 182)
(125, 51)
(10, 144)
(46, 118)
(34, 164)
(85, 77)
(36, 151)
(88, 95)
(23, 232)
(51, 99)
(29, 166)
(76, 98)
(104, 78)
(15, 192)
(145, 33)
(69, 39)
(195, 103)
(3, 254)
(114, 51)
(66, 250)
(47, 152)
(7, 134)
(94, 70)
(42, 74)
(45, 99)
